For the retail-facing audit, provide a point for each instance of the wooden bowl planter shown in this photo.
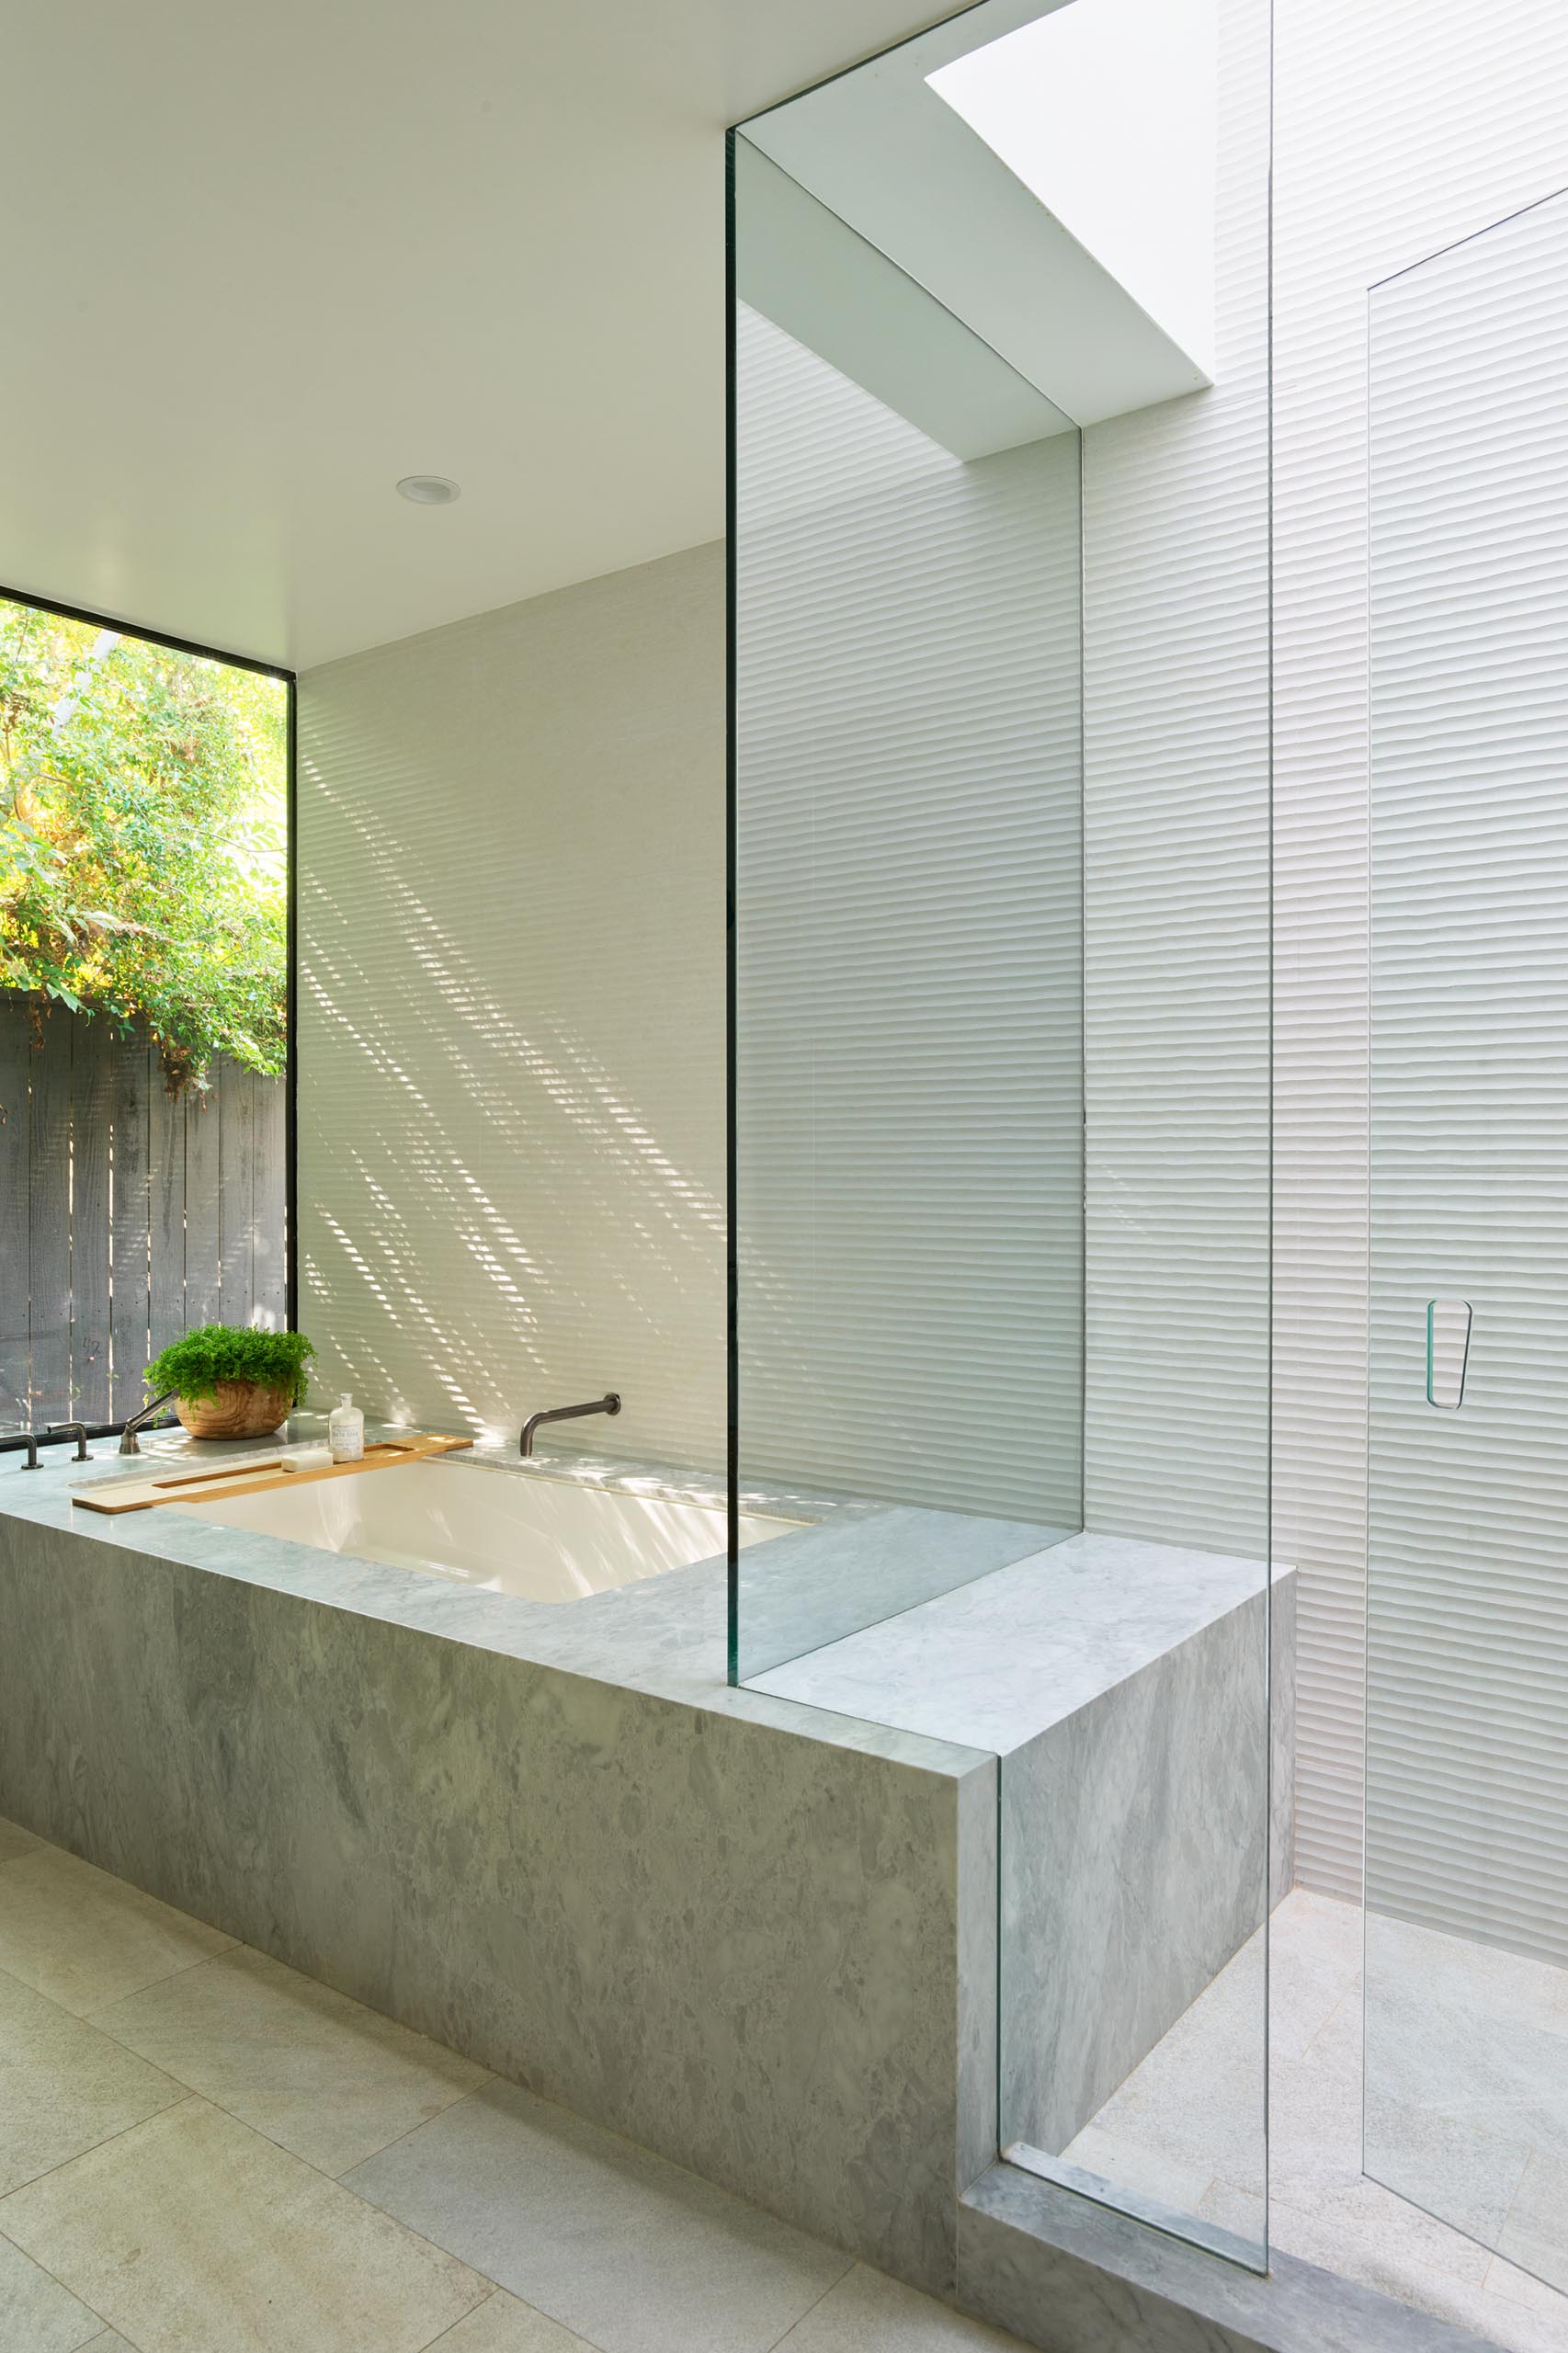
(231, 1382)
(240, 1409)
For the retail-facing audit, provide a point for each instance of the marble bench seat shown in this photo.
(1122, 1686)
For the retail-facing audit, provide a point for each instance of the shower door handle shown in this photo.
(1448, 1352)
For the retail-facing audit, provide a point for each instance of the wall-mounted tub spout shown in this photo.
(609, 1404)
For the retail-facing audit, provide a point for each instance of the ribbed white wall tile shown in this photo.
(1399, 128)
(909, 928)
(1176, 820)
(1467, 1801)
(512, 1012)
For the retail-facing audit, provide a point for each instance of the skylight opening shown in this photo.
(1107, 110)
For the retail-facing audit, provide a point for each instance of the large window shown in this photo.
(143, 1004)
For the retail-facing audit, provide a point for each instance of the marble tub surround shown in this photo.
(296, 2171)
(666, 1635)
(753, 1938)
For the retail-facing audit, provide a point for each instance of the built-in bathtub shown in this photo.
(754, 1936)
(747, 1928)
(507, 1532)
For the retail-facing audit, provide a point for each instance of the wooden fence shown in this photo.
(125, 1216)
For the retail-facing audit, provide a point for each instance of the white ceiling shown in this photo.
(264, 262)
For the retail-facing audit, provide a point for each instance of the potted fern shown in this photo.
(231, 1382)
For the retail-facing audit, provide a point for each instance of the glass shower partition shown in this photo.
(908, 940)
(1000, 970)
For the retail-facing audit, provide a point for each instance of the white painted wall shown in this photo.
(511, 836)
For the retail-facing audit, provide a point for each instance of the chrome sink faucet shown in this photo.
(609, 1404)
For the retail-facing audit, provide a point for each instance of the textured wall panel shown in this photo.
(1468, 1564)
(909, 924)
(1177, 822)
(512, 1012)
(1399, 128)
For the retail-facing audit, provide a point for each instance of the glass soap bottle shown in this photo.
(345, 1430)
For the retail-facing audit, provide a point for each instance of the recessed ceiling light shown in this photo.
(428, 489)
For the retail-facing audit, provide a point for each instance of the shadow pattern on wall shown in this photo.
(511, 900)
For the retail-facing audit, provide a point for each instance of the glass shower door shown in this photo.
(1466, 1984)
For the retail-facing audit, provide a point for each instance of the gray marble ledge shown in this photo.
(1061, 2270)
(1000, 1660)
(667, 1636)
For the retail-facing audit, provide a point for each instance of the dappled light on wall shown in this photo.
(512, 1106)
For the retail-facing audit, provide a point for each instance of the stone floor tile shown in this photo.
(64, 2086)
(16, 1841)
(1520, 2287)
(1239, 2211)
(82, 1938)
(501, 2324)
(1493, 2318)
(191, 2233)
(1487, 2069)
(1362, 2228)
(1197, 2101)
(630, 2252)
(315, 2072)
(1314, 1959)
(1127, 2165)
(1535, 2231)
(867, 2313)
(37, 2315)
(1480, 1981)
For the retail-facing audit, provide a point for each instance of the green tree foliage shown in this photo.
(142, 821)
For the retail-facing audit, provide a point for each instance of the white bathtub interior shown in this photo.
(540, 1539)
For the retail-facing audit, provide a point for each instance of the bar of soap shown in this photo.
(308, 1458)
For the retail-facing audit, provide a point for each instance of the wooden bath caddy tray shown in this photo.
(253, 1478)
